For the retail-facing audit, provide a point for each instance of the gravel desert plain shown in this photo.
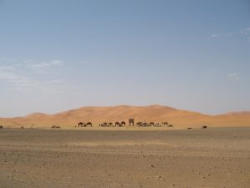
(112, 157)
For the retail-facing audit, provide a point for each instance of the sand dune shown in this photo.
(157, 113)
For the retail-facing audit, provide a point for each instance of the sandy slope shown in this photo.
(157, 113)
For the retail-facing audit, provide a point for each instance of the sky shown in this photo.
(57, 55)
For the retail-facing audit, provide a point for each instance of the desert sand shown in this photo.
(211, 158)
(157, 113)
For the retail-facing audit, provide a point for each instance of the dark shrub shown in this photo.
(204, 126)
(1, 126)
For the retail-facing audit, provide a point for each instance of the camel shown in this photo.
(80, 124)
(145, 124)
(123, 123)
(131, 122)
(88, 124)
(139, 124)
(165, 123)
(157, 125)
(104, 124)
(152, 123)
(117, 124)
(55, 127)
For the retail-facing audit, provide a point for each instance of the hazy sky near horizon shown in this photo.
(58, 54)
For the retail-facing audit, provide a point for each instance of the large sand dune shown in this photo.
(157, 113)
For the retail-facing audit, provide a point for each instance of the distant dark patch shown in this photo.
(1, 127)
(204, 126)
(55, 127)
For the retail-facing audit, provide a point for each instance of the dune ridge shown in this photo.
(156, 113)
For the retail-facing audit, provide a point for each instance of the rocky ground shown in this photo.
(213, 157)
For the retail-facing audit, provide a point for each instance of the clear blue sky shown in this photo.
(60, 54)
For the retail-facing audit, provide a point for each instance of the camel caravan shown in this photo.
(82, 124)
(131, 123)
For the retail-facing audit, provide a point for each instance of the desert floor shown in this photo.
(213, 157)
